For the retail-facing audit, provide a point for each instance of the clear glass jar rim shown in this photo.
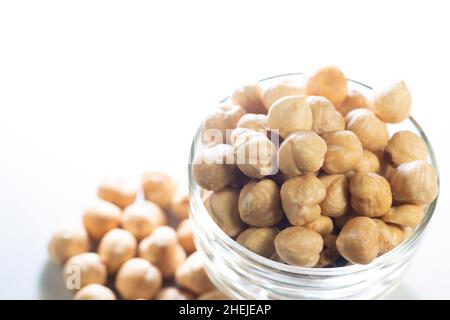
(265, 262)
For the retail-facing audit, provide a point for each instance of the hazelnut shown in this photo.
(290, 114)
(186, 236)
(142, 218)
(358, 240)
(324, 115)
(335, 203)
(388, 236)
(353, 100)
(255, 155)
(84, 269)
(344, 151)
(280, 90)
(407, 215)
(174, 293)
(162, 249)
(95, 292)
(158, 187)
(392, 104)
(118, 191)
(116, 247)
(259, 240)
(405, 146)
(213, 168)
(236, 133)
(256, 122)
(259, 203)
(138, 279)
(371, 131)
(300, 198)
(301, 152)
(100, 217)
(328, 82)
(223, 208)
(415, 182)
(370, 194)
(218, 125)
(369, 162)
(329, 255)
(192, 276)
(299, 246)
(67, 242)
(249, 98)
(179, 206)
(340, 221)
(323, 225)
(213, 295)
(386, 169)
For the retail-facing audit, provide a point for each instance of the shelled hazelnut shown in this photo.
(67, 242)
(405, 146)
(100, 217)
(142, 218)
(118, 191)
(325, 116)
(259, 240)
(249, 97)
(328, 82)
(344, 151)
(158, 187)
(116, 247)
(280, 90)
(223, 119)
(353, 100)
(192, 276)
(392, 103)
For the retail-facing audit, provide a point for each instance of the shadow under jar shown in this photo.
(242, 274)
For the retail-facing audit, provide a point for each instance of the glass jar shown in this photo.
(242, 274)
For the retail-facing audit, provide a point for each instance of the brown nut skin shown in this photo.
(223, 207)
(329, 255)
(179, 206)
(353, 100)
(67, 242)
(116, 247)
(336, 201)
(158, 187)
(300, 198)
(324, 115)
(174, 293)
(255, 155)
(118, 191)
(280, 90)
(249, 97)
(405, 146)
(344, 151)
(415, 182)
(192, 276)
(100, 217)
(83, 269)
(253, 121)
(259, 203)
(138, 279)
(213, 168)
(290, 114)
(407, 215)
(299, 246)
(142, 218)
(95, 292)
(301, 152)
(163, 250)
(358, 240)
(186, 236)
(323, 225)
(328, 82)
(392, 104)
(371, 194)
(389, 236)
(369, 162)
(222, 120)
(259, 240)
(371, 131)
(213, 295)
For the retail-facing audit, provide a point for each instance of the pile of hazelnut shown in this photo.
(336, 190)
(125, 247)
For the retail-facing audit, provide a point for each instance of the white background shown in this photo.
(90, 88)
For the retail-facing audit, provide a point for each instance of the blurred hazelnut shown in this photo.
(407, 215)
(353, 100)
(301, 152)
(100, 217)
(344, 151)
(323, 225)
(328, 82)
(299, 246)
(324, 115)
(67, 242)
(280, 90)
(179, 206)
(95, 292)
(116, 247)
(259, 203)
(158, 187)
(249, 98)
(84, 269)
(290, 114)
(213, 295)
(222, 120)
(405, 146)
(336, 200)
(118, 191)
(174, 293)
(186, 236)
(392, 104)
(142, 218)
(256, 122)
(192, 276)
(300, 198)
(259, 240)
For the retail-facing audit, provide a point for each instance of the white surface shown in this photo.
(89, 88)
